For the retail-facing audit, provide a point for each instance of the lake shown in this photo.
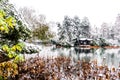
(109, 57)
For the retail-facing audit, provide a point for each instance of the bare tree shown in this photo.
(36, 23)
(28, 15)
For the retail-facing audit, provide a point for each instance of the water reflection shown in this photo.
(109, 57)
(84, 50)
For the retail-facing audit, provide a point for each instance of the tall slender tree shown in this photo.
(116, 27)
(77, 30)
(85, 25)
(68, 26)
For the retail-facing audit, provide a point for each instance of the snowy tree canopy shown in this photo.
(73, 28)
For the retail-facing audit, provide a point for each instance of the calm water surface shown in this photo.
(109, 57)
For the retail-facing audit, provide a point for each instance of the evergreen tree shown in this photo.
(73, 28)
(61, 32)
(85, 25)
(77, 27)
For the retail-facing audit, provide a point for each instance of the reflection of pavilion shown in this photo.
(83, 50)
(84, 53)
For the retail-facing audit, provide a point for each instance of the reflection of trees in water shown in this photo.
(75, 53)
(103, 56)
(102, 51)
(119, 52)
(110, 56)
(84, 53)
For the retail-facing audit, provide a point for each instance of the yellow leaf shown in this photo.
(11, 21)
(2, 13)
(11, 54)
(6, 29)
(18, 48)
(2, 28)
(13, 48)
(5, 48)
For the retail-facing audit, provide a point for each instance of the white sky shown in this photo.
(98, 11)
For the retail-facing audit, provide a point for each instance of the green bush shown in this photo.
(42, 33)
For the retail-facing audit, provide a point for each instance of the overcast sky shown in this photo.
(98, 11)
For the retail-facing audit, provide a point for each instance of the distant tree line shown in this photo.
(70, 28)
(110, 31)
